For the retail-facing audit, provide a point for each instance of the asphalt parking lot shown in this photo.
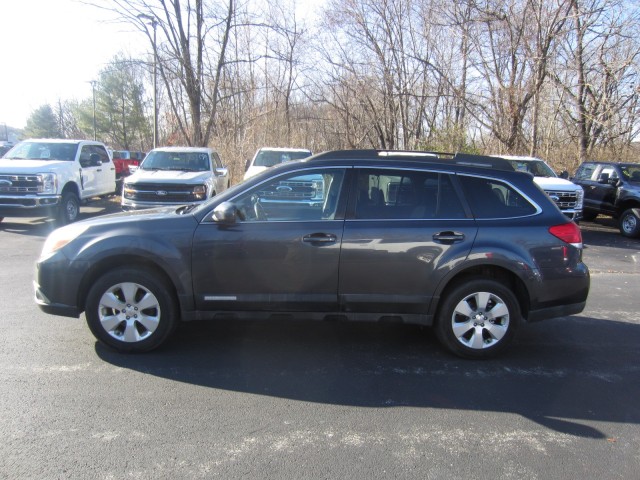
(322, 400)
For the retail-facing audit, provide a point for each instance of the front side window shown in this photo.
(293, 197)
(490, 198)
(406, 194)
(611, 172)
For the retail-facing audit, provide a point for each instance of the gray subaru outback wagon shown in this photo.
(462, 243)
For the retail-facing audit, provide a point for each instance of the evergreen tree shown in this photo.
(42, 123)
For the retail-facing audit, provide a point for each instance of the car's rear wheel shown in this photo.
(478, 318)
(131, 310)
(630, 223)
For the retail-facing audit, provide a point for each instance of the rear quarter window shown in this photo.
(491, 198)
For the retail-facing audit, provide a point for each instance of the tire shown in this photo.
(478, 318)
(131, 310)
(69, 209)
(629, 223)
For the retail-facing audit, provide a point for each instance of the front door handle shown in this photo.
(448, 237)
(320, 238)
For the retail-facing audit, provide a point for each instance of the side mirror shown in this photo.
(222, 172)
(603, 178)
(94, 160)
(564, 174)
(133, 168)
(246, 164)
(226, 213)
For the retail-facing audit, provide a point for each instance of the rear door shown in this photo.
(278, 256)
(404, 229)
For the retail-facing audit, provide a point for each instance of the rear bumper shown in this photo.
(557, 311)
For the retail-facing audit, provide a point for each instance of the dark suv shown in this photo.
(463, 243)
(612, 189)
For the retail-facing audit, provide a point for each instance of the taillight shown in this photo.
(568, 232)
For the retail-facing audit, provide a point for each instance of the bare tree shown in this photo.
(189, 39)
(598, 71)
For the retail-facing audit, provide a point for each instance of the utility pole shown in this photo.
(93, 87)
(154, 23)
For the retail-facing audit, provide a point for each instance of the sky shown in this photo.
(52, 49)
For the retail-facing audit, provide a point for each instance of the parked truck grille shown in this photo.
(297, 190)
(564, 200)
(161, 193)
(20, 184)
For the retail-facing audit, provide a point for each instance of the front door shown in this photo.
(283, 252)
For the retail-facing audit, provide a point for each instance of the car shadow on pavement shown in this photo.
(564, 374)
(42, 226)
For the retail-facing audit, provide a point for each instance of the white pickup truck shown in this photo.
(172, 176)
(52, 177)
(568, 196)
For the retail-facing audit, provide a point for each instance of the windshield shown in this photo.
(184, 161)
(43, 151)
(535, 167)
(269, 158)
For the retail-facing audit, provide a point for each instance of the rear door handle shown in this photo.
(448, 237)
(320, 238)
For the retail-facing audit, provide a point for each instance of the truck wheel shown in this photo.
(630, 223)
(69, 208)
(131, 310)
(478, 318)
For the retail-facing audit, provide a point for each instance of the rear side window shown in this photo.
(490, 198)
(406, 194)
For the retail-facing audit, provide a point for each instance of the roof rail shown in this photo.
(435, 157)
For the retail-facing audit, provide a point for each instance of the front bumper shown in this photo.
(27, 205)
(56, 286)
(128, 205)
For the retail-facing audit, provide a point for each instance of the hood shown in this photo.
(254, 170)
(556, 183)
(32, 166)
(169, 176)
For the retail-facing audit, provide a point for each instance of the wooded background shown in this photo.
(557, 79)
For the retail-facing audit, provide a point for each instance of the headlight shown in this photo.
(59, 238)
(580, 198)
(318, 187)
(49, 183)
(128, 191)
(200, 192)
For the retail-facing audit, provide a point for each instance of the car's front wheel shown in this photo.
(69, 208)
(131, 310)
(630, 223)
(478, 318)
